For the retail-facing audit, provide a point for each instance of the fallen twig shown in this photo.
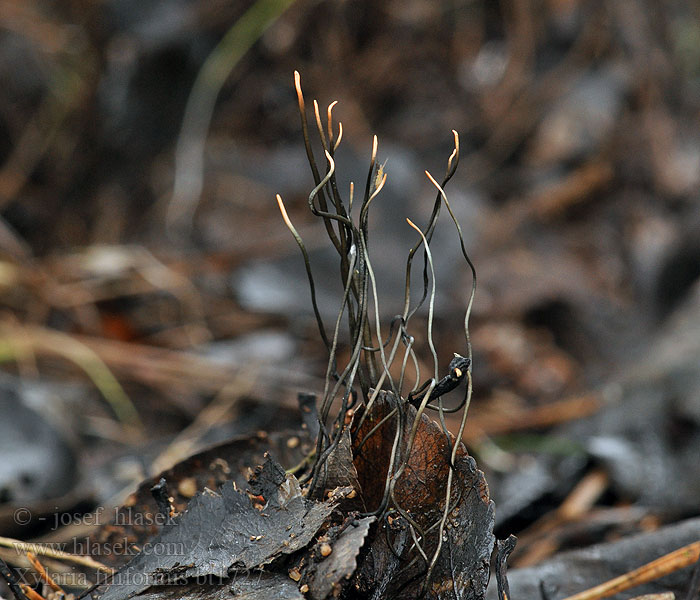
(50, 551)
(673, 561)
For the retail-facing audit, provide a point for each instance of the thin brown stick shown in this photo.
(39, 568)
(540, 540)
(30, 593)
(546, 415)
(48, 550)
(669, 563)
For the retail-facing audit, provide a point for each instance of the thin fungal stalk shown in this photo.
(368, 372)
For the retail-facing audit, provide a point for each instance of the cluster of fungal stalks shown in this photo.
(369, 368)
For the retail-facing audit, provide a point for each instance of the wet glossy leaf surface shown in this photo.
(135, 523)
(245, 586)
(225, 531)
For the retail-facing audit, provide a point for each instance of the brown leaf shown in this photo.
(462, 567)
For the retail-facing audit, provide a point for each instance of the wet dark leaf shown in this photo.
(462, 569)
(225, 531)
(503, 550)
(267, 479)
(136, 522)
(339, 471)
(575, 571)
(253, 586)
(329, 573)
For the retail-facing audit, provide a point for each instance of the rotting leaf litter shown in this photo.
(387, 503)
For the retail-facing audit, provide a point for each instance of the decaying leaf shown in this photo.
(224, 532)
(329, 573)
(339, 471)
(462, 566)
(247, 586)
(137, 521)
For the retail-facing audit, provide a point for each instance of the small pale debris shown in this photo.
(294, 574)
(349, 414)
(293, 442)
(326, 549)
(187, 487)
(220, 463)
(304, 588)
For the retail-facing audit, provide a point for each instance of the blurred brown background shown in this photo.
(144, 238)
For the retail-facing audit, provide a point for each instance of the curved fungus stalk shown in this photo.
(389, 430)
